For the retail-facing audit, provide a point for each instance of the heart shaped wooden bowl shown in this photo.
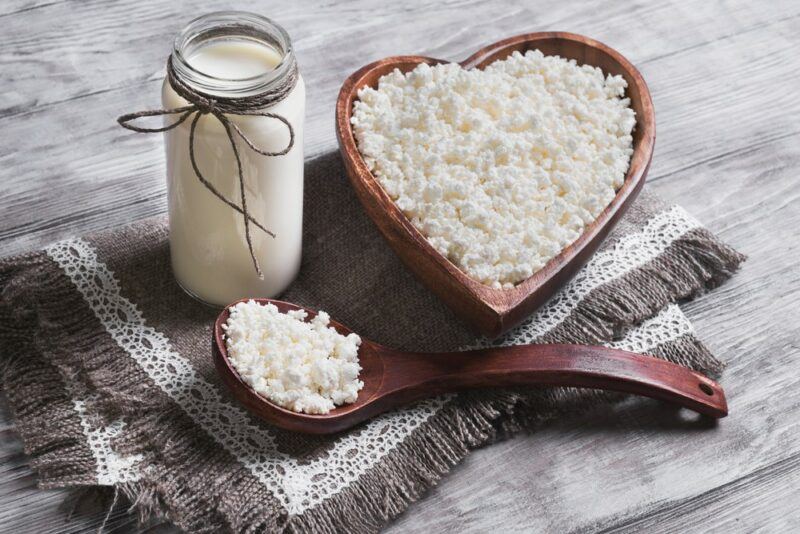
(494, 311)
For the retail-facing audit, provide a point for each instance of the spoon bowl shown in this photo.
(395, 378)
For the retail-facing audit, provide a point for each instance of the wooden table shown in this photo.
(725, 79)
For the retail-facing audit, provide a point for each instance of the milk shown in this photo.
(210, 257)
(234, 59)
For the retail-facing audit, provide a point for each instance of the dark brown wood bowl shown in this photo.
(494, 311)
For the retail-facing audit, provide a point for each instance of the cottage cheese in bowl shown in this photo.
(499, 168)
(304, 366)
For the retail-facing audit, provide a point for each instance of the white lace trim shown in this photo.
(670, 324)
(112, 468)
(300, 487)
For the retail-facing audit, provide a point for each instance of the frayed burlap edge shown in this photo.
(41, 407)
(687, 268)
(405, 474)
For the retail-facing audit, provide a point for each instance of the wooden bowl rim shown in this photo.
(503, 300)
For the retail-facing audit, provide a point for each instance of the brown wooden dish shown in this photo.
(494, 311)
(393, 378)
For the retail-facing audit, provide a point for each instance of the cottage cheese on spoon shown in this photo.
(501, 168)
(305, 366)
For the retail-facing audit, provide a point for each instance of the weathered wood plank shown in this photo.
(767, 496)
(723, 77)
(124, 175)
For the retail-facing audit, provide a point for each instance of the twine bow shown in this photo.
(219, 107)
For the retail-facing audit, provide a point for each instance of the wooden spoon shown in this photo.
(393, 378)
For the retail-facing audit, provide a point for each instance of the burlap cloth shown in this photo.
(108, 370)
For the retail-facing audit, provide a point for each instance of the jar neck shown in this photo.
(232, 26)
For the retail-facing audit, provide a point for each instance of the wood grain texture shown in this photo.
(493, 312)
(724, 78)
(394, 379)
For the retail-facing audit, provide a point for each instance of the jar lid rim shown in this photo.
(233, 23)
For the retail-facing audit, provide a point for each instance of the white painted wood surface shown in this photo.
(725, 78)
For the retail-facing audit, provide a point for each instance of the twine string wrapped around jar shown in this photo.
(201, 103)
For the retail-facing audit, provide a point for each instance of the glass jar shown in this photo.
(235, 54)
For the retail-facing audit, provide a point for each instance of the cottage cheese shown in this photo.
(502, 168)
(305, 366)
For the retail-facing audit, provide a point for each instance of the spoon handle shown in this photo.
(419, 375)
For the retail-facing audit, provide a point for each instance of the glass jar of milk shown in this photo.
(233, 55)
